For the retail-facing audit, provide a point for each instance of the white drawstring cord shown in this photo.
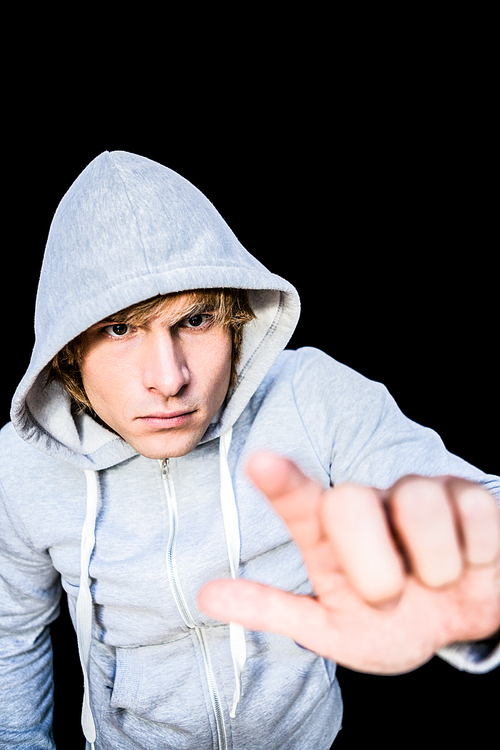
(231, 527)
(84, 603)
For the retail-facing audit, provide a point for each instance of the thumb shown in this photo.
(259, 607)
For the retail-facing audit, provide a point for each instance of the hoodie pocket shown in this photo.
(162, 685)
(298, 659)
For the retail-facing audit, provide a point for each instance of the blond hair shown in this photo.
(228, 308)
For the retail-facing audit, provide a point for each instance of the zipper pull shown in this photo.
(164, 468)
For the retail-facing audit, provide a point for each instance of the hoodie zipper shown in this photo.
(182, 604)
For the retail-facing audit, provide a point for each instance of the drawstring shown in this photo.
(84, 603)
(231, 527)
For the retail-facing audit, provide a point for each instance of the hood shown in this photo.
(129, 229)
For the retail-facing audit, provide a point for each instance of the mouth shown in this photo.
(166, 420)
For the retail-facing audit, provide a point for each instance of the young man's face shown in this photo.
(160, 384)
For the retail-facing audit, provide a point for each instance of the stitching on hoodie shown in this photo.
(326, 469)
(270, 331)
(119, 172)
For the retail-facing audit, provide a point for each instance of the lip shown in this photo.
(167, 419)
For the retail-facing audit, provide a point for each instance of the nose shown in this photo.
(164, 364)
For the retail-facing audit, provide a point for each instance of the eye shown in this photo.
(117, 330)
(196, 321)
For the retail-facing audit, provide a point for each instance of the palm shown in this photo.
(380, 605)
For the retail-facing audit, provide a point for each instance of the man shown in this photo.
(157, 418)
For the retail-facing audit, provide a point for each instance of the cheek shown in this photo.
(100, 377)
(215, 367)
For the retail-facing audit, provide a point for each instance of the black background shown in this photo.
(356, 165)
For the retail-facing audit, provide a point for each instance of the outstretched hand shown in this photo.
(396, 575)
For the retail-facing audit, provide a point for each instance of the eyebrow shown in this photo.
(199, 306)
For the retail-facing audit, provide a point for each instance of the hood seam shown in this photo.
(270, 331)
(132, 209)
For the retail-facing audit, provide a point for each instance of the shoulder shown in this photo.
(23, 466)
(317, 376)
(334, 403)
(315, 381)
(309, 359)
(12, 447)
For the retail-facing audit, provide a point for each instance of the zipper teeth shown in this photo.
(214, 692)
(183, 607)
(171, 563)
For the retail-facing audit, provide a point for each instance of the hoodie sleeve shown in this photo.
(361, 436)
(29, 602)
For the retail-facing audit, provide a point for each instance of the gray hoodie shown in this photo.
(132, 540)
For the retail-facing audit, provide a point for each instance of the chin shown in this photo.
(160, 449)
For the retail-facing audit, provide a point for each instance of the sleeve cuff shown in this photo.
(477, 657)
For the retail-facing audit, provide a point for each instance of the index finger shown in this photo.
(296, 497)
(339, 529)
